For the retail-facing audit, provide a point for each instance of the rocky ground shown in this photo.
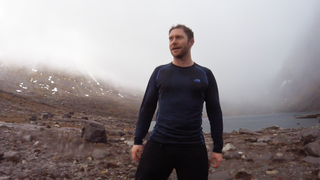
(53, 149)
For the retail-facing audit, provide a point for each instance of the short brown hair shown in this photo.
(187, 30)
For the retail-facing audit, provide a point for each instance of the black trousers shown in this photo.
(158, 160)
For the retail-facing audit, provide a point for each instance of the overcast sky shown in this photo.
(243, 42)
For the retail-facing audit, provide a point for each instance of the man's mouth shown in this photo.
(175, 48)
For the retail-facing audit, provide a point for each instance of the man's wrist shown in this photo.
(217, 151)
(137, 142)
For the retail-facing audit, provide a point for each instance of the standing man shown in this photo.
(180, 89)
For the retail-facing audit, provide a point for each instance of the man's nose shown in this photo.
(174, 41)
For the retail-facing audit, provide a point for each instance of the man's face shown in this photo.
(179, 44)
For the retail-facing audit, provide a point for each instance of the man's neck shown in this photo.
(183, 62)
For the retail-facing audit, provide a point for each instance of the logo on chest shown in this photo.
(197, 80)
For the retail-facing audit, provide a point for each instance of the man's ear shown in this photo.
(191, 42)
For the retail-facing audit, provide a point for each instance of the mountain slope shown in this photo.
(64, 91)
(297, 87)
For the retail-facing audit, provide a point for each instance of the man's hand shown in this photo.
(136, 152)
(215, 159)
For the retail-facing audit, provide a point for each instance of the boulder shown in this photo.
(310, 135)
(94, 132)
(313, 149)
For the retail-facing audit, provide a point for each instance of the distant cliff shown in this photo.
(297, 86)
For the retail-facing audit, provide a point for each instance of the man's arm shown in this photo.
(147, 109)
(215, 117)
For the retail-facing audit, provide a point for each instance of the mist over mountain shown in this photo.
(297, 85)
(295, 88)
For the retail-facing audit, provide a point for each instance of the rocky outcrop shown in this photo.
(317, 115)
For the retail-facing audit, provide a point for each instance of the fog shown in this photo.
(244, 43)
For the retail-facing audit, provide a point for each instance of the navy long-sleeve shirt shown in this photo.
(180, 93)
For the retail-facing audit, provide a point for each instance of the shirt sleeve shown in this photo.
(214, 113)
(147, 109)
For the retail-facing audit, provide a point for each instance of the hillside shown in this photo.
(29, 90)
(297, 86)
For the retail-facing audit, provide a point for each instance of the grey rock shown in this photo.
(116, 132)
(264, 139)
(243, 175)
(272, 172)
(312, 160)
(277, 128)
(41, 124)
(5, 177)
(12, 156)
(310, 135)
(65, 175)
(131, 175)
(266, 156)
(228, 147)
(231, 155)
(100, 153)
(67, 115)
(280, 139)
(251, 139)
(278, 159)
(44, 116)
(246, 131)
(260, 144)
(221, 175)
(33, 118)
(27, 138)
(313, 148)
(94, 132)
